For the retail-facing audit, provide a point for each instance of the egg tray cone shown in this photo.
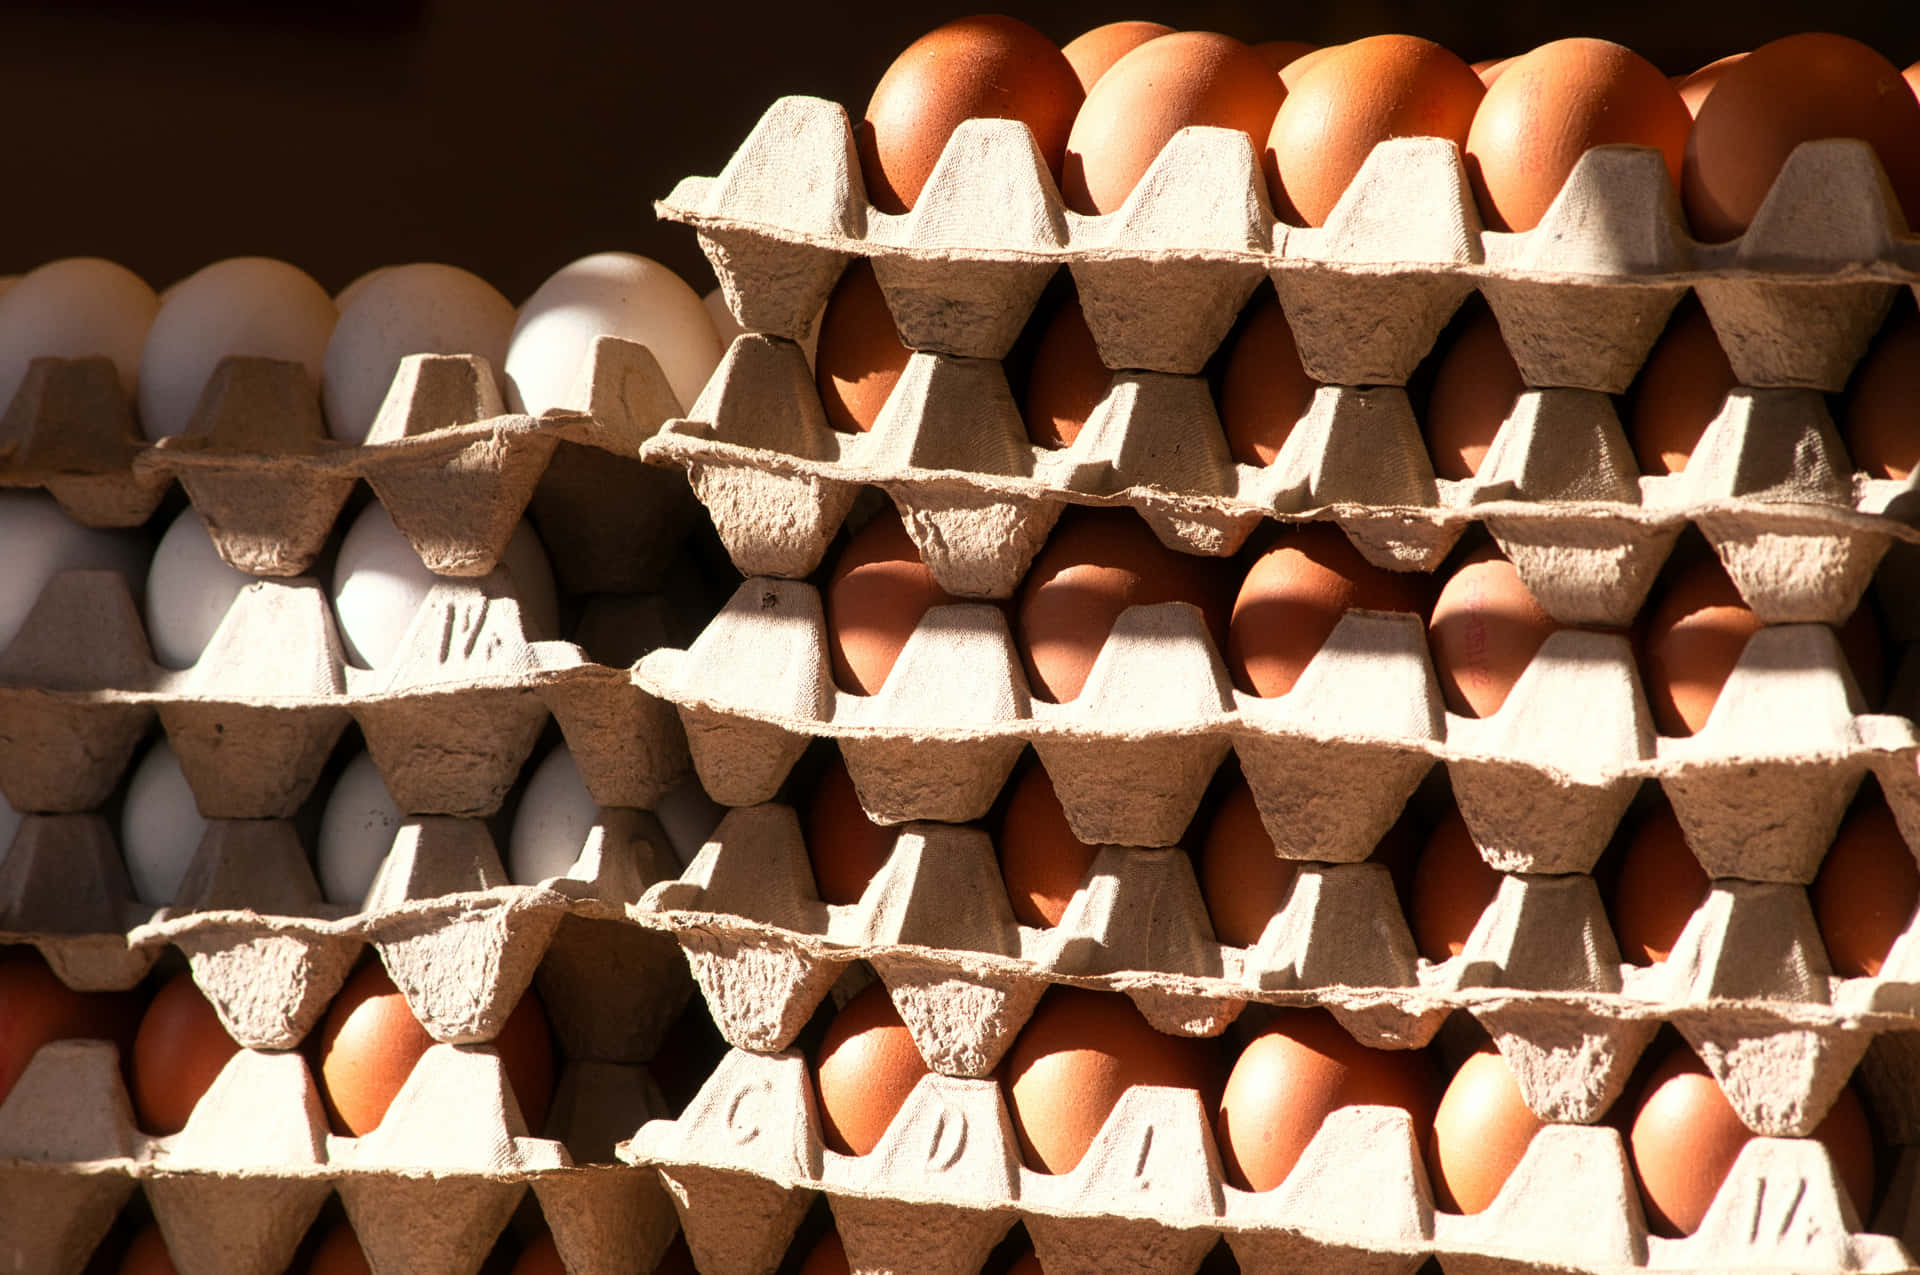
(427, 1192)
(452, 466)
(449, 720)
(946, 1182)
(1582, 296)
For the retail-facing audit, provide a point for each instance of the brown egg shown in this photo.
(147, 1254)
(1660, 886)
(1092, 52)
(1475, 388)
(1789, 91)
(1486, 629)
(541, 1257)
(1694, 88)
(873, 601)
(1075, 1058)
(179, 1052)
(36, 1009)
(1490, 69)
(1481, 1131)
(1912, 76)
(370, 1041)
(1358, 96)
(1549, 107)
(1244, 882)
(860, 355)
(1679, 392)
(844, 846)
(1298, 1070)
(1067, 380)
(1026, 1264)
(829, 1257)
(1165, 85)
(1281, 54)
(1453, 886)
(1865, 894)
(1264, 389)
(1097, 563)
(1686, 1136)
(1294, 595)
(982, 67)
(1878, 422)
(339, 1254)
(1041, 860)
(867, 1066)
(1297, 67)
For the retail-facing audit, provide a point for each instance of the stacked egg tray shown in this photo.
(1580, 299)
(449, 722)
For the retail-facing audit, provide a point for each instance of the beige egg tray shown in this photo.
(1759, 791)
(449, 720)
(428, 1192)
(454, 469)
(1582, 297)
(946, 1183)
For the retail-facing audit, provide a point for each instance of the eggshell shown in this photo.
(250, 306)
(1912, 76)
(1792, 90)
(36, 1008)
(608, 294)
(1877, 419)
(1281, 54)
(551, 825)
(1091, 52)
(844, 846)
(1486, 629)
(414, 309)
(358, 284)
(1041, 860)
(177, 1055)
(1865, 894)
(1296, 67)
(867, 1065)
(339, 1254)
(688, 815)
(1243, 880)
(1685, 1137)
(875, 597)
(147, 1254)
(1264, 390)
(369, 1042)
(1078, 1053)
(1294, 595)
(1026, 1264)
(1680, 390)
(1549, 107)
(1294, 1073)
(1490, 69)
(1165, 85)
(41, 542)
(78, 308)
(860, 356)
(1475, 388)
(1481, 1130)
(1659, 888)
(1694, 87)
(724, 325)
(189, 590)
(1453, 886)
(1359, 95)
(1097, 563)
(160, 826)
(540, 1257)
(1067, 379)
(828, 1257)
(357, 828)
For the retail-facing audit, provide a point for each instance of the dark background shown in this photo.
(510, 137)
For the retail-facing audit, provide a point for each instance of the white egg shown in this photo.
(550, 828)
(78, 308)
(160, 827)
(252, 306)
(41, 541)
(379, 583)
(417, 309)
(357, 828)
(189, 591)
(347, 295)
(10, 820)
(725, 326)
(611, 293)
(689, 817)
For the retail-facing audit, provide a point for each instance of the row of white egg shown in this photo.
(166, 345)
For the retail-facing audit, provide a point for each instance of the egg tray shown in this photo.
(1542, 783)
(1581, 297)
(945, 1183)
(1769, 485)
(428, 1192)
(449, 720)
(452, 466)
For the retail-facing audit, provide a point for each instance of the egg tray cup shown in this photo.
(427, 1192)
(449, 720)
(451, 465)
(946, 1182)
